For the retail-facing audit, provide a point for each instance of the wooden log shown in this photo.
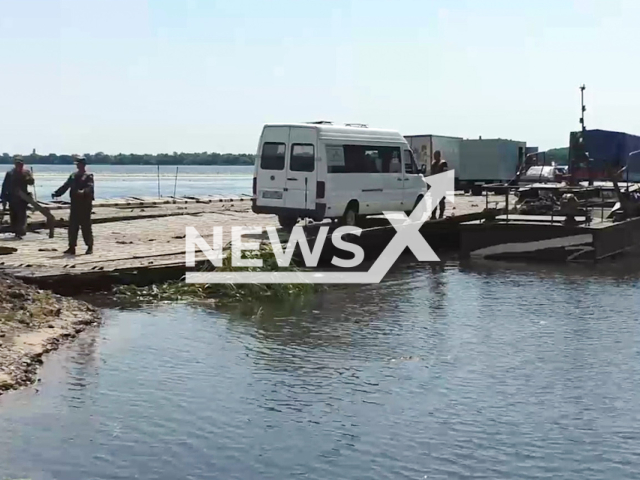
(51, 221)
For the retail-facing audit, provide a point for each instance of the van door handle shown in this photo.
(292, 179)
(407, 179)
(399, 179)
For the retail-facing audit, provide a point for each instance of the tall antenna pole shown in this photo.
(584, 109)
(584, 127)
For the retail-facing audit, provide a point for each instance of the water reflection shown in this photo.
(340, 322)
(83, 368)
(443, 371)
(623, 269)
(438, 287)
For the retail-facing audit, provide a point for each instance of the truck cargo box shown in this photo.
(424, 146)
(606, 150)
(489, 161)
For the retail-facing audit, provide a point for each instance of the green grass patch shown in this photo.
(177, 291)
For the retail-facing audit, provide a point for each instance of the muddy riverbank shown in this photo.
(34, 322)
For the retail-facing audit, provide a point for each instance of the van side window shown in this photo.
(410, 166)
(395, 166)
(368, 159)
(303, 158)
(355, 160)
(373, 162)
(272, 156)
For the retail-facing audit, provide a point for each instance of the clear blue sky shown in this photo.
(204, 75)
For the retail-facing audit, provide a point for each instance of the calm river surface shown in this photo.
(485, 372)
(117, 181)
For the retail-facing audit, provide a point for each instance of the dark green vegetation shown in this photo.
(175, 158)
(249, 294)
(558, 155)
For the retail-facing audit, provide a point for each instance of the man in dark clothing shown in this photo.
(80, 186)
(439, 165)
(15, 181)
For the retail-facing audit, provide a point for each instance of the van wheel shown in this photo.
(350, 217)
(418, 200)
(287, 222)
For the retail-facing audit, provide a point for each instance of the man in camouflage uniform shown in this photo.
(80, 186)
(15, 181)
(439, 165)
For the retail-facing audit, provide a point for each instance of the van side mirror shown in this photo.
(423, 169)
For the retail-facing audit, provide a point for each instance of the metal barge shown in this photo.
(559, 222)
(547, 238)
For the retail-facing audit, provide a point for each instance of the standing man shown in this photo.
(439, 165)
(16, 181)
(80, 186)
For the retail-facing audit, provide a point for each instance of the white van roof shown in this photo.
(330, 131)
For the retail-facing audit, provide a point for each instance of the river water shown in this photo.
(118, 181)
(439, 372)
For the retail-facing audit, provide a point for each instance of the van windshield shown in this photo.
(272, 156)
(410, 166)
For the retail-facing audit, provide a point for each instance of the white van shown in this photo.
(320, 170)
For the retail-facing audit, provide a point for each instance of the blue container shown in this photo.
(606, 149)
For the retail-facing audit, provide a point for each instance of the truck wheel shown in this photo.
(476, 190)
(287, 222)
(350, 217)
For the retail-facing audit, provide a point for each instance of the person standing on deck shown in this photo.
(81, 193)
(439, 165)
(15, 181)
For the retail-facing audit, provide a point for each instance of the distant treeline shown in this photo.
(174, 158)
(558, 155)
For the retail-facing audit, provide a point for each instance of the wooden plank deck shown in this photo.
(136, 239)
(107, 211)
(125, 241)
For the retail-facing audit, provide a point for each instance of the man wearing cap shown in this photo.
(15, 181)
(439, 165)
(80, 186)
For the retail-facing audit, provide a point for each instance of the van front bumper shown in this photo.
(316, 214)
